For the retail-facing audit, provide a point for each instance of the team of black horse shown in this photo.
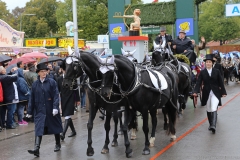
(117, 81)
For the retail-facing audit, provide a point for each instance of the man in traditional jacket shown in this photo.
(44, 104)
(68, 98)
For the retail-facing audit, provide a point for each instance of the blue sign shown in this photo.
(116, 30)
(232, 10)
(185, 24)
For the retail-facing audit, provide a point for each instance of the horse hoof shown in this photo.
(90, 152)
(180, 115)
(129, 155)
(152, 140)
(165, 126)
(133, 137)
(120, 132)
(114, 144)
(173, 138)
(105, 151)
(146, 152)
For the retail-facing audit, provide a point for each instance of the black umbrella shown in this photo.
(8, 69)
(50, 59)
(4, 58)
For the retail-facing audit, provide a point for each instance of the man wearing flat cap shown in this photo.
(163, 38)
(183, 45)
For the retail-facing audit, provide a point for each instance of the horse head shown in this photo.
(107, 67)
(116, 69)
(129, 55)
(73, 70)
(158, 55)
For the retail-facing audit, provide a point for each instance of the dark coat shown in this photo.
(219, 67)
(181, 45)
(7, 85)
(214, 83)
(45, 98)
(22, 87)
(168, 38)
(68, 97)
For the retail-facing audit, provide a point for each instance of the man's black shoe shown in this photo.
(11, 127)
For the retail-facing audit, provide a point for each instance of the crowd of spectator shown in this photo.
(15, 88)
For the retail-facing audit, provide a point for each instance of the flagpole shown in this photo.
(75, 28)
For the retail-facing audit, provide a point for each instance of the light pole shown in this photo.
(75, 27)
(21, 19)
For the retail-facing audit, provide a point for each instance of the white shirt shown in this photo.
(42, 80)
(209, 72)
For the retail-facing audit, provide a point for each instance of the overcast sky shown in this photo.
(11, 4)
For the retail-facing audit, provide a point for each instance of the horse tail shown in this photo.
(172, 103)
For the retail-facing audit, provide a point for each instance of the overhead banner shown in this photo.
(65, 42)
(46, 42)
(232, 10)
(185, 24)
(10, 37)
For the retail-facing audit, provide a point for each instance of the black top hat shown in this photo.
(41, 66)
(209, 57)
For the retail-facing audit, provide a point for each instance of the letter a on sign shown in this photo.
(235, 9)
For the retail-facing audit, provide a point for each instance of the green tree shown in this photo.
(45, 16)
(16, 17)
(5, 14)
(92, 17)
(213, 24)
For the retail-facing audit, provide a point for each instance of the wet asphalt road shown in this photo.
(194, 141)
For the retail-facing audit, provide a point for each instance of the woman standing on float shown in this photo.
(213, 90)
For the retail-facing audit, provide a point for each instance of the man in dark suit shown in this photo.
(163, 38)
(183, 45)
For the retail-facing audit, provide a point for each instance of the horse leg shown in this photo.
(134, 126)
(180, 110)
(165, 125)
(154, 125)
(146, 150)
(127, 117)
(107, 129)
(92, 115)
(115, 135)
(120, 132)
(171, 111)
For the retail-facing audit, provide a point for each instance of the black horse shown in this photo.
(184, 75)
(89, 63)
(136, 85)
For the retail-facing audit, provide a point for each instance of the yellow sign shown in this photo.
(117, 30)
(185, 26)
(65, 42)
(50, 42)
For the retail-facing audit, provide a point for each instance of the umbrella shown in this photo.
(50, 59)
(24, 60)
(4, 58)
(35, 55)
(10, 67)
